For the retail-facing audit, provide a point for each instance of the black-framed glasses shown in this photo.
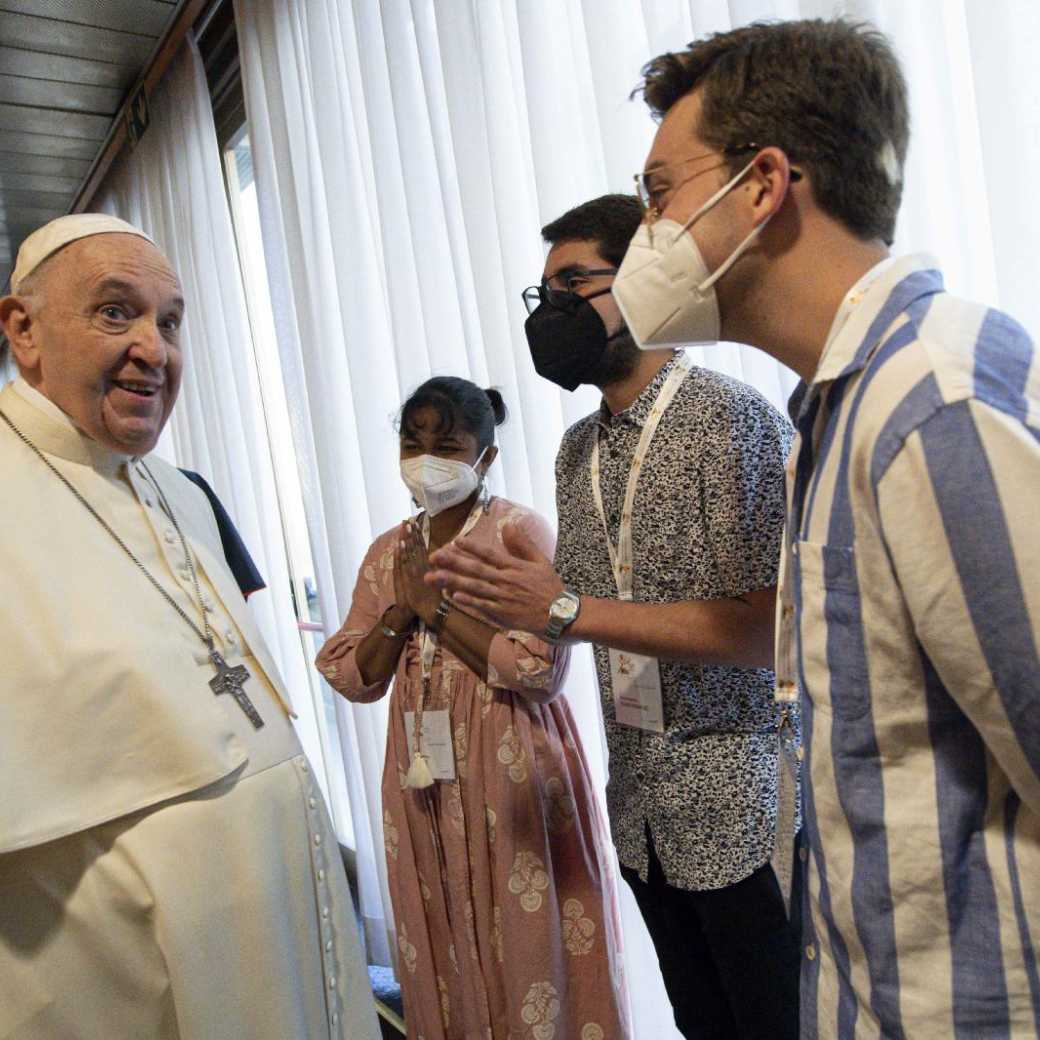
(555, 295)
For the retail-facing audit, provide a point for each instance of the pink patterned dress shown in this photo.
(506, 911)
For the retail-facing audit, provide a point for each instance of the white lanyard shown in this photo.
(621, 556)
(428, 638)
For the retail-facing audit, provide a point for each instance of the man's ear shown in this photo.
(770, 178)
(20, 329)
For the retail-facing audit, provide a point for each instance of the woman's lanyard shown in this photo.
(418, 773)
(621, 555)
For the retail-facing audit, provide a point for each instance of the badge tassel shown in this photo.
(419, 775)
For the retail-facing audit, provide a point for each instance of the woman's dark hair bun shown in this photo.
(498, 405)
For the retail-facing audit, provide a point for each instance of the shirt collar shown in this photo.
(868, 310)
(638, 411)
(53, 432)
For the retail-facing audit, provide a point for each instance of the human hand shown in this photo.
(511, 587)
(411, 567)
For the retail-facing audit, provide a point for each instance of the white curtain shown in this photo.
(407, 153)
(172, 187)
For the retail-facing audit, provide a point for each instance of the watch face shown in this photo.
(565, 607)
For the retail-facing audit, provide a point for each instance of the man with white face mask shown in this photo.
(670, 504)
(908, 622)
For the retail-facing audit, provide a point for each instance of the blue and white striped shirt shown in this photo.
(910, 623)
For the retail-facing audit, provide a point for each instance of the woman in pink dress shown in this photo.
(504, 899)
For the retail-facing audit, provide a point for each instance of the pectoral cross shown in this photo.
(231, 680)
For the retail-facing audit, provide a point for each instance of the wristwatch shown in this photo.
(562, 612)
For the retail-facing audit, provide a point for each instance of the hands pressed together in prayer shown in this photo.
(414, 597)
(511, 587)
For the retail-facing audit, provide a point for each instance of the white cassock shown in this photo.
(166, 870)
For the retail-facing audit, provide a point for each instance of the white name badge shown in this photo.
(636, 682)
(436, 745)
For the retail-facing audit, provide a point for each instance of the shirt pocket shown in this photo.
(830, 629)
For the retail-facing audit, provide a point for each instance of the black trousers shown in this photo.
(730, 958)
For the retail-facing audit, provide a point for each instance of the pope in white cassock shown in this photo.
(167, 864)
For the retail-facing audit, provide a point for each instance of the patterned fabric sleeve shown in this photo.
(565, 480)
(742, 489)
(373, 593)
(519, 661)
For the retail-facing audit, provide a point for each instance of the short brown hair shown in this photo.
(831, 94)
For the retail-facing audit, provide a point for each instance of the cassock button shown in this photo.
(803, 853)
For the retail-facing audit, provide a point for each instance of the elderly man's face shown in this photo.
(102, 340)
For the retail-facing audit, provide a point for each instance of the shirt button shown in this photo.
(328, 945)
(332, 982)
(169, 536)
(810, 952)
(324, 911)
(335, 1017)
(321, 875)
(317, 839)
(312, 802)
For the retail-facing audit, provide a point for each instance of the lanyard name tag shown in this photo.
(636, 683)
(436, 746)
(634, 679)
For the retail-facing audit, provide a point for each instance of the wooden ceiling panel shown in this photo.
(29, 194)
(42, 165)
(49, 145)
(37, 182)
(71, 97)
(53, 121)
(147, 17)
(27, 32)
(66, 67)
(57, 68)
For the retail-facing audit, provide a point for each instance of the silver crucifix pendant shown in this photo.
(231, 680)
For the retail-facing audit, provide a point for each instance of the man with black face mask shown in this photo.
(671, 507)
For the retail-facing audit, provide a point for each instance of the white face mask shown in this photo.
(663, 286)
(438, 484)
